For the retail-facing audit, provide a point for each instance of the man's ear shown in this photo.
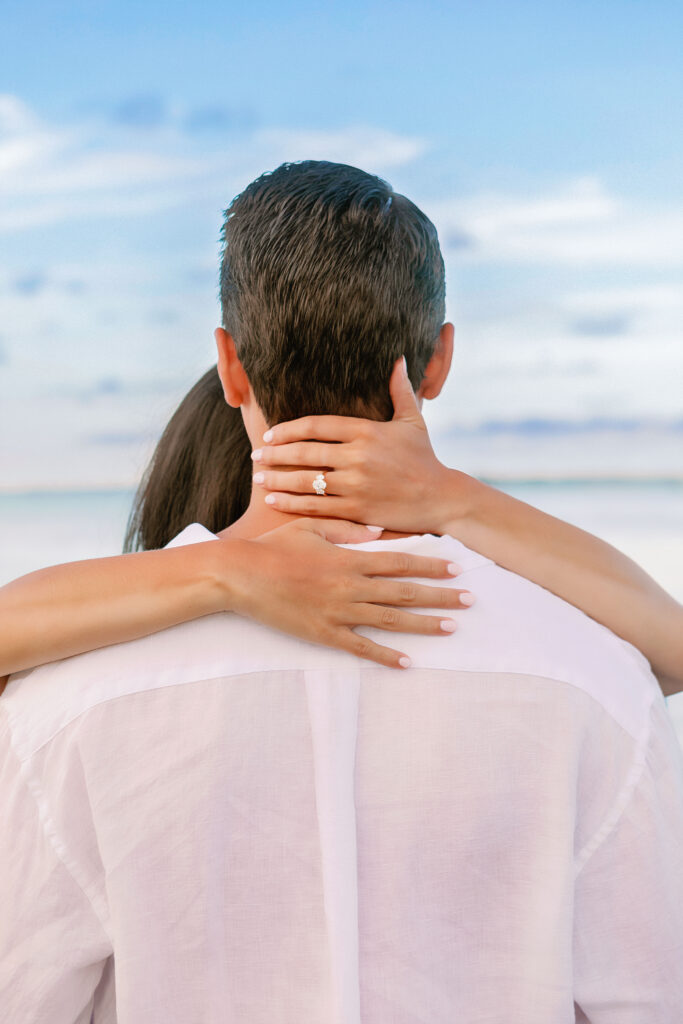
(230, 370)
(438, 366)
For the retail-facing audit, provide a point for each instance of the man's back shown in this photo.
(261, 830)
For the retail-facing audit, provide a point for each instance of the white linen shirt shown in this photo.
(220, 824)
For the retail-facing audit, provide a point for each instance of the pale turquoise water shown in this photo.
(44, 528)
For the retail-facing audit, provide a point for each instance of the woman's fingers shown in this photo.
(301, 582)
(400, 563)
(346, 640)
(322, 428)
(313, 505)
(337, 531)
(417, 595)
(393, 620)
(301, 453)
(397, 621)
(299, 482)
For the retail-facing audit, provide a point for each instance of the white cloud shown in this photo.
(24, 142)
(15, 116)
(361, 147)
(580, 224)
(78, 172)
(582, 202)
(52, 174)
(562, 350)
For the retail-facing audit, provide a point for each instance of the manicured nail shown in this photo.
(270, 499)
(454, 569)
(375, 529)
(405, 662)
(258, 478)
(405, 366)
(467, 598)
(448, 625)
(268, 436)
(257, 454)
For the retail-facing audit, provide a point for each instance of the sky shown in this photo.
(543, 139)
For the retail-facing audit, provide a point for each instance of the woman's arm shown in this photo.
(388, 473)
(293, 578)
(575, 565)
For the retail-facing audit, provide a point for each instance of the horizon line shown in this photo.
(535, 479)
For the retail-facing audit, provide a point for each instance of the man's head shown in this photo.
(327, 277)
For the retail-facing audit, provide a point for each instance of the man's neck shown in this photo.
(257, 520)
(260, 518)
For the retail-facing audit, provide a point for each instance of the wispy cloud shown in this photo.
(142, 111)
(100, 347)
(30, 284)
(52, 174)
(218, 119)
(580, 224)
(150, 112)
(363, 147)
(653, 313)
(608, 326)
(167, 157)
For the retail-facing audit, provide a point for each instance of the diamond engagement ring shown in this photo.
(320, 483)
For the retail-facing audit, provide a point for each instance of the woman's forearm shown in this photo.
(68, 609)
(294, 578)
(575, 565)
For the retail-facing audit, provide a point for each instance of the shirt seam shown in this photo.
(325, 668)
(52, 838)
(623, 797)
(609, 824)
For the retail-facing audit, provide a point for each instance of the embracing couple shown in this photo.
(274, 816)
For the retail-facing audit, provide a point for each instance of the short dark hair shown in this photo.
(327, 277)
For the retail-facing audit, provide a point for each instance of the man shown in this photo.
(219, 823)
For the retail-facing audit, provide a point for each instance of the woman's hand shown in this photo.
(376, 472)
(295, 580)
(388, 473)
(292, 578)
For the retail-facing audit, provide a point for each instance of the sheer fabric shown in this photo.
(223, 824)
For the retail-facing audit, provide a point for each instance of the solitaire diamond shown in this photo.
(320, 483)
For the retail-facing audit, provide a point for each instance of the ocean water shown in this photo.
(643, 519)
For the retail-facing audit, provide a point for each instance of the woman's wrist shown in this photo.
(458, 502)
(221, 573)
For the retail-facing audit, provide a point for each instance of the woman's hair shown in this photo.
(327, 277)
(200, 471)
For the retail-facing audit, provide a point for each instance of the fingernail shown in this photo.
(467, 598)
(405, 366)
(270, 499)
(454, 569)
(258, 478)
(375, 529)
(405, 662)
(268, 436)
(448, 625)
(257, 454)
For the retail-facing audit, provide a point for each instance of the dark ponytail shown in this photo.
(200, 471)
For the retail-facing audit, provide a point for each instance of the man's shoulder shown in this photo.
(41, 701)
(520, 627)
(514, 628)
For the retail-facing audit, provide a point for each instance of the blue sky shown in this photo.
(543, 139)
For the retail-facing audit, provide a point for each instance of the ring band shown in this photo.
(320, 484)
